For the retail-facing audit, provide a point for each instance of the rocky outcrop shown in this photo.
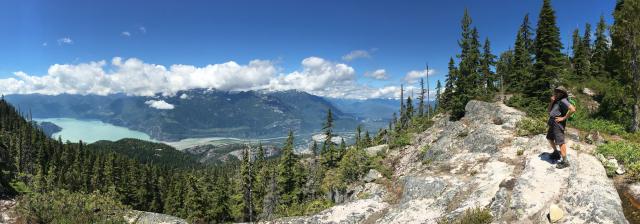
(141, 217)
(479, 162)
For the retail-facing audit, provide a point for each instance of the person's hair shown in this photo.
(562, 94)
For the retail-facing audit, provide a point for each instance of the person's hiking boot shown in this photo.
(555, 156)
(562, 164)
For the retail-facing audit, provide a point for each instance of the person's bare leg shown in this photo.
(563, 151)
(564, 163)
(553, 145)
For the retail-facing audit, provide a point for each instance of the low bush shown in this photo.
(625, 152)
(62, 206)
(600, 125)
(316, 206)
(471, 216)
(530, 126)
(400, 139)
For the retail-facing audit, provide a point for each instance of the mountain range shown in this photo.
(200, 113)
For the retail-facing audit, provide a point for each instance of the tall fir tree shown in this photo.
(625, 35)
(286, 179)
(487, 62)
(450, 86)
(248, 179)
(600, 50)
(549, 60)
(522, 59)
(438, 95)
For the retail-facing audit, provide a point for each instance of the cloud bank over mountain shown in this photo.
(133, 76)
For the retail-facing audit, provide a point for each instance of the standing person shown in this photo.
(560, 109)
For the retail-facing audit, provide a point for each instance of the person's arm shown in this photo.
(553, 100)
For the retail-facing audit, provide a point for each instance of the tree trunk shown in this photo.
(635, 85)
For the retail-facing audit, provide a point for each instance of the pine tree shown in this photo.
(549, 59)
(504, 69)
(261, 178)
(367, 139)
(248, 179)
(522, 61)
(328, 147)
(600, 50)
(469, 82)
(287, 186)
(452, 79)
(488, 61)
(625, 34)
(221, 212)
(577, 53)
(438, 95)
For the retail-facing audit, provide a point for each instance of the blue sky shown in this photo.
(398, 36)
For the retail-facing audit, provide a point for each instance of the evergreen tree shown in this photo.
(625, 34)
(248, 180)
(367, 139)
(261, 178)
(600, 50)
(488, 61)
(452, 78)
(438, 95)
(329, 151)
(194, 203)
(504, 69)
(287, 186)
(520, 58)
(549, 59)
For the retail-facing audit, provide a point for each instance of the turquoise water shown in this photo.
(90, 131)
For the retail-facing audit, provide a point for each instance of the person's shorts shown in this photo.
(555, 132)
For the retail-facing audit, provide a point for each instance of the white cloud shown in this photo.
(355, 54)
(45, 44)
(132, 76)
(184, 96)
(379, 74)
(65, 40)
(142, 29)
(159, 104)
(415, 75)
(125, 34)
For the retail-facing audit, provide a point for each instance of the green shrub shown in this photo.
(400, 139)
(62, 206)
(520, 152)
(625, 152)
(532, 106)
(316, 206)
(471, 216)
(529, 126)
(600, 125)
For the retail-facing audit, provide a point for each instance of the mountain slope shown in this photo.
(196, 113)
(455, 167)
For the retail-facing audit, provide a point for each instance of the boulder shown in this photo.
(141, 217)
(633, 190)
(555, 213)
(352, 212)
(374, 150)
(367, 191)
(594, 138)
(588, 92)
(620, 170)
(372, 175)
